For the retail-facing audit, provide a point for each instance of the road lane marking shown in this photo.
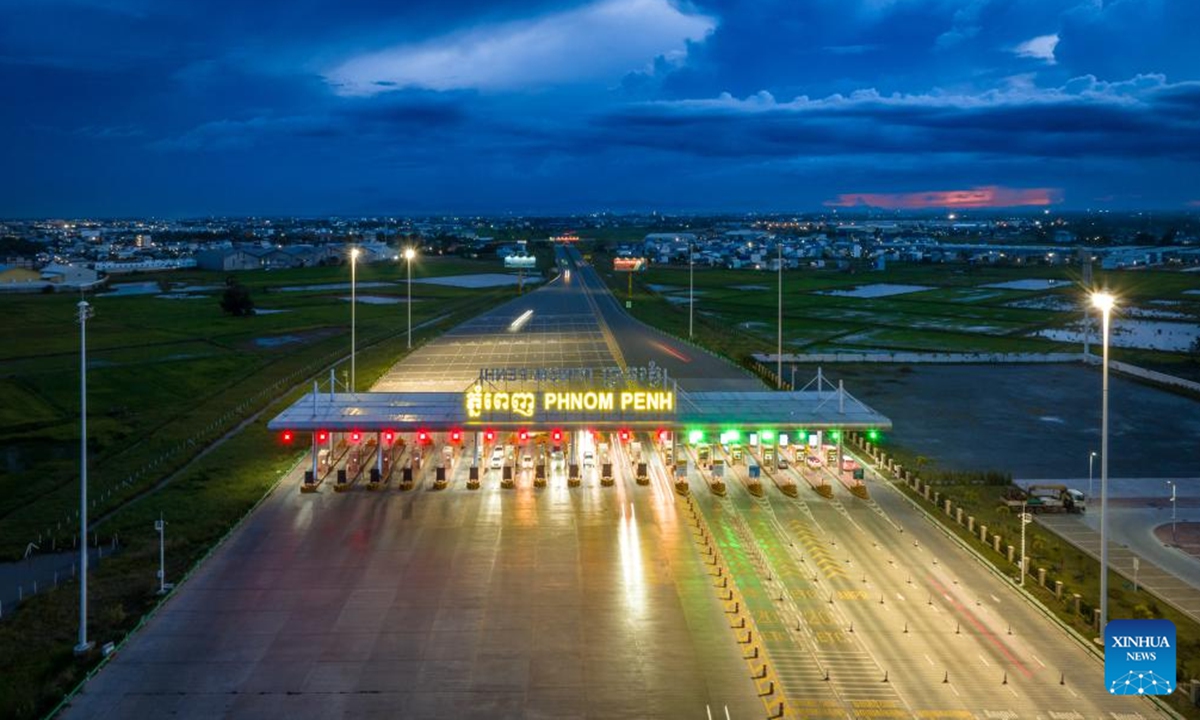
(929, 659)
(1039, 661)
(995, 599)
(984, 632)
(984, 661)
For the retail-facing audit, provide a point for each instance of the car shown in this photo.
(782, 461)
(497, 458)
(589, 459)
(557, 459)
(527, 462)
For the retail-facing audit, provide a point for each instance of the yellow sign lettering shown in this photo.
(480, 403)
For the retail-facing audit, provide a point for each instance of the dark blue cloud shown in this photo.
(119, 107)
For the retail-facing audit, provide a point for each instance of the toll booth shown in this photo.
(643, 473)
(439, 478)
(539, 474)
(606, 473)
(342, 483)
(506, 477)
(473, 478)
(406, 477)
(573, 474)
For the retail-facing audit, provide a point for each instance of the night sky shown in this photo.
(313, 107)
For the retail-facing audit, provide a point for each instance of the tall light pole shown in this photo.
(779, 348)
(1172, 484)
(1104, 303)
(1091, 461)
(409, 254)
(1026, 518)
(85, 312)
(691, 289)
(353, 316)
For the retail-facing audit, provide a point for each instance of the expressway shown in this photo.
(622, 600)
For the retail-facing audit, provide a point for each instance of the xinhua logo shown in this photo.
(1139, 657)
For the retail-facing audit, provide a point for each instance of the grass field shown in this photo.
(956, 314)
(166, 378)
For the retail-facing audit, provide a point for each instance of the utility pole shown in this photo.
(83, 646)
(691, 289)
(779, 349)
(1026, 518)
(160, 526)
(1174, 540)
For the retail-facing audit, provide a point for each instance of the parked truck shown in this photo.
(1046, 499)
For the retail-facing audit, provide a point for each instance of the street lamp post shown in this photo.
(409, 253)
(353, 316)
(85, 312)
(1091, 461)
(691, 289)
(1172, 484)
(1104, 303)
(779, 347)
(1026, 518)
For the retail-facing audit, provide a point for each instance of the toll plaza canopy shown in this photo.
(601, 408)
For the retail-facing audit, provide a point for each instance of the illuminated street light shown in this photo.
(1091, 462)
(1174, 541)
(1104, 303)
(353, 316)
(409, 254)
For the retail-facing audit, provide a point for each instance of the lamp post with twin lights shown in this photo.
(409, 254)
(1104, 302)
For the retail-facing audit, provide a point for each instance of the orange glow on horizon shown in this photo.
(988, 196)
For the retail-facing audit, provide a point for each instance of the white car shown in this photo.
(557, 460)
(497, 458)
(589, 459)
(527, 462)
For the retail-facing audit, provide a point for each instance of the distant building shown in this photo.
(10, 275)
(70, 277)
(227, 260)
(117, 267)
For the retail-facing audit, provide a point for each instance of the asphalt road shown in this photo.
(1035, 421)
(627, 601)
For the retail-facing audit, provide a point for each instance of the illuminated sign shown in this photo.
(520, 262)
(480, 402)
(629, 264)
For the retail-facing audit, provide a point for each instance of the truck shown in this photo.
(1046, 499)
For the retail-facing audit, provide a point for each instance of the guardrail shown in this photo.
(1097, 653)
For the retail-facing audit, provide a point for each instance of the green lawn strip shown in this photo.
(146, 419)
(1079, 572)
(201, 506)
(46, 502)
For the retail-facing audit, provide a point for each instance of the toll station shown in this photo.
(570, 422)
